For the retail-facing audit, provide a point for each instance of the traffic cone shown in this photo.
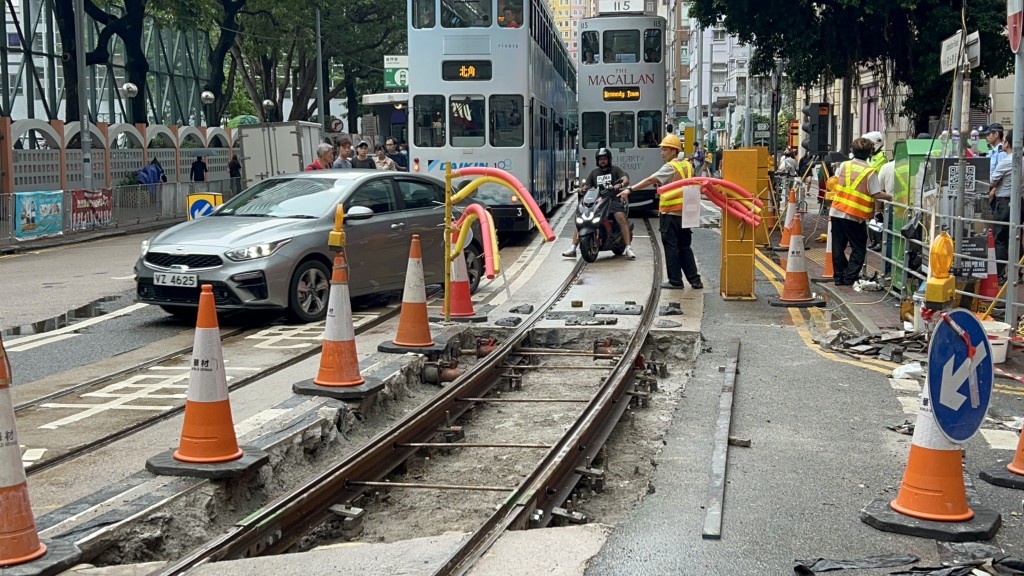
(338, 376)
(988, 288)
(932, 499)
(461, 300)
(208, 433)
(829, 273)
(413, 323)
(787, 230)
(1010, 475)
(208, 447)
(796, 291)
(19, 541)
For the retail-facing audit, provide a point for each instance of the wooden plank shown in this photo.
(720, 452)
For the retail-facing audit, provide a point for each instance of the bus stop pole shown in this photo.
(1015, 183)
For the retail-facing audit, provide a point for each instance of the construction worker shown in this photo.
(852, 206)
(878, 153)
(876, 162)
(679, 260)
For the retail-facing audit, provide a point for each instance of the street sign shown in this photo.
(762, 126)
(337, 125)
(1014, 22)
(718, 124)
(200, 208)
(951, 50)
(976, 247)
(951, 373)
(762, 133)
(396, 71)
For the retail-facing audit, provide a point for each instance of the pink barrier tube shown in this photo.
(521, 191)
(485, 229)
(734, 208)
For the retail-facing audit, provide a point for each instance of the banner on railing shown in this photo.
(38, 214)
(91, 208)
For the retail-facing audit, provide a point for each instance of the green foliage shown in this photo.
(240, 102)
(822, 40)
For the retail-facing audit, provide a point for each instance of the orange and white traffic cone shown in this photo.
(461, 299)
(1010, 475)
(829, 272)
(413, 323)
(787, 224)
(988, 288)
(796, 291)
(932, 500)
(19, 541)
(208, 431)
(338, 376)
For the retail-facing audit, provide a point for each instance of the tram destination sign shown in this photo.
(620, 7)
(621, 94)
(466, 70)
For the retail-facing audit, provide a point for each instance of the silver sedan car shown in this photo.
(267, 247)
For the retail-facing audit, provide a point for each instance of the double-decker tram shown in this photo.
(491, 84)
(622, 91)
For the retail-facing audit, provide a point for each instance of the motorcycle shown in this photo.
(596, 225)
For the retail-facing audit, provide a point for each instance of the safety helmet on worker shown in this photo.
(671, 141)
(604, 152)
(876, 138)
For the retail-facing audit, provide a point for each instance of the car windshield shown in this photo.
(286, 198)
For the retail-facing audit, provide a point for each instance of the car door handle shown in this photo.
(398, 226)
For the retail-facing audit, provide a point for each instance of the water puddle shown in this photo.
(93, 309)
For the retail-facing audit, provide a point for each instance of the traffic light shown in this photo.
(817, 117)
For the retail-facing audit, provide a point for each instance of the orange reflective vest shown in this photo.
(685, 170)
(852, 195)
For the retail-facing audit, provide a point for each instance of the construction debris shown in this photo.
(892, 346)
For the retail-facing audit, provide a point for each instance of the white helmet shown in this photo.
(877, 138)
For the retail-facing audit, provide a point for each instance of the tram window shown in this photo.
(465, 14)
(621, 46)
(648, 127)
(594, 130)
(429, 112)
(511, 14)
(652, 45)
(591, 48)
(620, 128)
(507, 121)
(424, 10)
(467, 121)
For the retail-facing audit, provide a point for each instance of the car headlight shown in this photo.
(145, 247)
(255, 251)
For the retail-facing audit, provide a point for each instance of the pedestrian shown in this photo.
(679, 259)
(396, 156)
(362, 160)
(383, 161)
(852, 206)
(993, 134)
(235, 174)
(999, 192)
(344, 159)
(324, 158)
(199, 170)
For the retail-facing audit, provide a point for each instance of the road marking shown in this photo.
(32, 455)
(22, 344)
(910, 403)
(1000, 439)
(132, 277)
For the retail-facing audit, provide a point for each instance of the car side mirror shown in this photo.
(358, 213)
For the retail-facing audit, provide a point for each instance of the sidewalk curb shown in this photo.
(861, 323)
(79, 238)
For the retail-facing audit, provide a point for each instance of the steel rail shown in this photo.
(278, 526)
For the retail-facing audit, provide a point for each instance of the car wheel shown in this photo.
(474, 266)
(308, 292)
(181, 312)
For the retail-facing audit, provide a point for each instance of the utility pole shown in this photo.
(711, 84)
(961, 112)
(698, 122)
(748, 116)
(320, 76)
(84, 135)
(1015, 182)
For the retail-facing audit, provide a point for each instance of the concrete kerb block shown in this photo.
(60, 555)
(1000, 475)
(860, 321)
(164, 464)
(880, 515)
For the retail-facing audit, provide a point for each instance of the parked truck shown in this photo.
(276, 148)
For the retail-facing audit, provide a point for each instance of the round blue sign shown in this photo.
(960, 386)
(200, 207)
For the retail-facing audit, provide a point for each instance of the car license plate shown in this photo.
(180, 280)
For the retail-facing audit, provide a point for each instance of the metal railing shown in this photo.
(129, 206)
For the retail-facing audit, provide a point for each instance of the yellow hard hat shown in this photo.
(671, 141)
(831, 183)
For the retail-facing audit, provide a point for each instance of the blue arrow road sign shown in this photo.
(201, 207)
(960, 388)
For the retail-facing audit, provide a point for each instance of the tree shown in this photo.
(898, 40)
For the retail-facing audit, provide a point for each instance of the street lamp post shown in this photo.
(129, 91)
(207, 98)
(84, 134)
(728, 128)
(268, 110)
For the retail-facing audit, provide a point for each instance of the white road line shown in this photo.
(1000, 439)
(39, 343)
(910, 404)
(905, 384)
(132, 277)
(19, 344)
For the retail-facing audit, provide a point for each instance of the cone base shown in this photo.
(369, 387)
(983, 526)
(1002, 476)
(809, 303)
(4, 562)
(475, 317)
(164, 464)
(432, 351)
(59, 556)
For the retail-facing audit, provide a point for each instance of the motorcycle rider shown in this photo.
(617, 208)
